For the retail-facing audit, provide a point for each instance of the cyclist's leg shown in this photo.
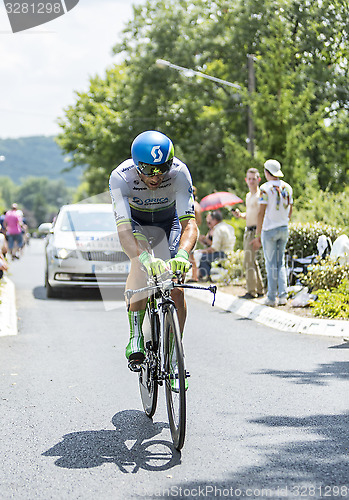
(176, 383)
(172, 230)
(177, 295)
(136, 309)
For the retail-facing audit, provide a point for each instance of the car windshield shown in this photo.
(87, 221)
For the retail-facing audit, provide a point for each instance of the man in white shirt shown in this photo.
(272, 230)
(223, 241)
(254, 282)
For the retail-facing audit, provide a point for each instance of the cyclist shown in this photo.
(153, 202)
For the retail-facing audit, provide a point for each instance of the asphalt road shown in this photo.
(267, 410)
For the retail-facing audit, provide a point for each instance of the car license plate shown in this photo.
(120, 268)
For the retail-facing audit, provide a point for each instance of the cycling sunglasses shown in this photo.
(150, 170)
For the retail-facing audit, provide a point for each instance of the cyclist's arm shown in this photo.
(129, 243)
(189, 235)
(119, 193)
(186, 209)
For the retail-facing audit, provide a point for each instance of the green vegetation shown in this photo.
(326, 278)
(299, 106)
(333, 303)
(37, 156)
(303, 237)
(331, 208)
(326, 275)
(38, 197)
(233, 267)
(35, 175)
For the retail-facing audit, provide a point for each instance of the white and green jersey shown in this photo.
(133, 200)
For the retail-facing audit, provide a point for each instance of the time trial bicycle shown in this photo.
(164, 362)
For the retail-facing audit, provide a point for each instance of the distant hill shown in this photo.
(37, 156)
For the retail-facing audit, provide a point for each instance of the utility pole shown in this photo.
(251, 90)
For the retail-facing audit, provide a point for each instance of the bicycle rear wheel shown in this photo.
(148, 376)
(175, 372)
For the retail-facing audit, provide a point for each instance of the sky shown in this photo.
(40, 68)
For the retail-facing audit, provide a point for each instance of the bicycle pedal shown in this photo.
(134, 365)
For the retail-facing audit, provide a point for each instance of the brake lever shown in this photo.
(213, 289)
(179, 276)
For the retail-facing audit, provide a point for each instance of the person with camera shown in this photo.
(254, 282)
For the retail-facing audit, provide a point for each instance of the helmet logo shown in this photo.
(157, 154)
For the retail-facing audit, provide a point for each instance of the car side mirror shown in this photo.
(45, 228)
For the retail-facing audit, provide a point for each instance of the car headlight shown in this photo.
(63, 253)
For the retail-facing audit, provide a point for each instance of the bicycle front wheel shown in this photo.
(148, 376)
(174, 377)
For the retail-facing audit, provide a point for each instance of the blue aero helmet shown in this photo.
(152, 153)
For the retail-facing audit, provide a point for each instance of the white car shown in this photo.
(83, 249)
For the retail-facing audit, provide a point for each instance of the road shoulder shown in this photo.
(8, 311)
(273, 316)
(249, 309)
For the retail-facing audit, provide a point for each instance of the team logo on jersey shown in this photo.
(127, 168)
(155, 201)
(137, 200)
(157, 154)
(149, 201)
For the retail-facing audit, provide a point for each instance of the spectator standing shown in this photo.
(223, 241)
(254, 282)
(13, 223)
(274, 214)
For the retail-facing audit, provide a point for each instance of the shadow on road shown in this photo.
(80, 294)
(311, 462)
(322, 375)
(340, 346)
(126, 446)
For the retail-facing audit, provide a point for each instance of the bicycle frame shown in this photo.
(164, 361)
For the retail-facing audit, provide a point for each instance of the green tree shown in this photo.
(300, 99)
(43, 197)
(300, 107)
(7, 192)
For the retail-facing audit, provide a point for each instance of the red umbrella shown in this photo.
(219, 200)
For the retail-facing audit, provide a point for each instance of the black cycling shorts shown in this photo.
(162, 236)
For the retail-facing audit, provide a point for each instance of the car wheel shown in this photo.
(51, 293)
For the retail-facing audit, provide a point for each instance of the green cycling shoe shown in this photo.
(135, 353)
(174, 380)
